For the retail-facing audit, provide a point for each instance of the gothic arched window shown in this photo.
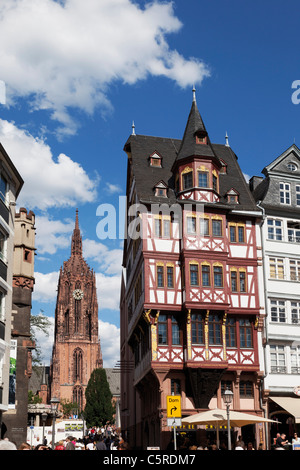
(66, 322)
(78, 397)
(77, 365)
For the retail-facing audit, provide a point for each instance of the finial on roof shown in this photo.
(194, 93)
(133, 128)
(226, 140)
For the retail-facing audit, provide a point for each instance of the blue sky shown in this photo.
(77, 73)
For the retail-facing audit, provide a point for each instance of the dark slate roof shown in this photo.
(113, 379)
(261, 190)
(233, 178)
(188, 145)
(146, 176)
(39, 376)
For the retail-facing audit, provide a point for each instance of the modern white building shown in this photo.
(10, 186)
(278, 194)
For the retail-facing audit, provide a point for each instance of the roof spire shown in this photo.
(194, 94)
(76, 248)
(133, 128)
(76, 221)
(226, 140)
(195, 127)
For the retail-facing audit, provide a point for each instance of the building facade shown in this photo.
(76, 350)
(191, 313)
(21, 344)
(10, 185)
(278, 194)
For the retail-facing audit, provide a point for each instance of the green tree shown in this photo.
(98, 408)
(68, 407)
(32, 399)
(38, 323)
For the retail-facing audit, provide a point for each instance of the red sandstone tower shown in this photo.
(76, 351)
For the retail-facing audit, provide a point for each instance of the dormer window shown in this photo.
(201, 138)
(155, 160)
(160, 189)
(232, 196)
(223, 169)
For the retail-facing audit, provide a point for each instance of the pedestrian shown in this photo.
(79, 445)
(100, 445)
(281, 441)
(70, 444)
(5, 444)
(60, 446)
(250, 446)
(239, 445)
(24, 446)
(114, 444)
(296, 439)
(90, 445)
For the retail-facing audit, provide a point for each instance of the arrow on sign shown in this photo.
(174, 408)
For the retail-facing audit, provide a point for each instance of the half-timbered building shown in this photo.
(190, 305)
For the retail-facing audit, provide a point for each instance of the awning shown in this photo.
(289, 404)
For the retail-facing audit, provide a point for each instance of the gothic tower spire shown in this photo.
(76, 349)
(76, 249)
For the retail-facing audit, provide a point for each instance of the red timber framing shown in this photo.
(192, 320)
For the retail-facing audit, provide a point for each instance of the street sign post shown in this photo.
(173, 406)
(174, 413)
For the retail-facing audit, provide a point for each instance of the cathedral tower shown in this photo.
(76, 350)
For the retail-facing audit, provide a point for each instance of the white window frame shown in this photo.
(278, 264)
(275, 229)
(285, 193)
(294, 269)
(298, 195)
(278, 311)
(278, 359)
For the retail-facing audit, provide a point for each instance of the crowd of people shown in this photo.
(108, 438)
(97, 438)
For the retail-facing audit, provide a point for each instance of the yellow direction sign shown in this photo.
(173, 406)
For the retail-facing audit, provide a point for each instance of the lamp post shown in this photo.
(227, 398)
(44, 417)
(54, 405)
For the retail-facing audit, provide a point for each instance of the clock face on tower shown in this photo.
(77, 294)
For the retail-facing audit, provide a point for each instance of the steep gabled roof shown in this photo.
(293, 152)
(146, 176)
(194, 126)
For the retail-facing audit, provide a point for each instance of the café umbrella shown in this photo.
(217, 417)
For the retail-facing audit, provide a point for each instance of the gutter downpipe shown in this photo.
(266, 310)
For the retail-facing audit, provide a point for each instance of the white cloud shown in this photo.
(109, 261)
(47, 183)
(108, 291)
(45, 288)
(113, 188)
(52, 234)
(66, 54)
(110, 343)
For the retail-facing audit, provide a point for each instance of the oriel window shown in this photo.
(187, 180)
